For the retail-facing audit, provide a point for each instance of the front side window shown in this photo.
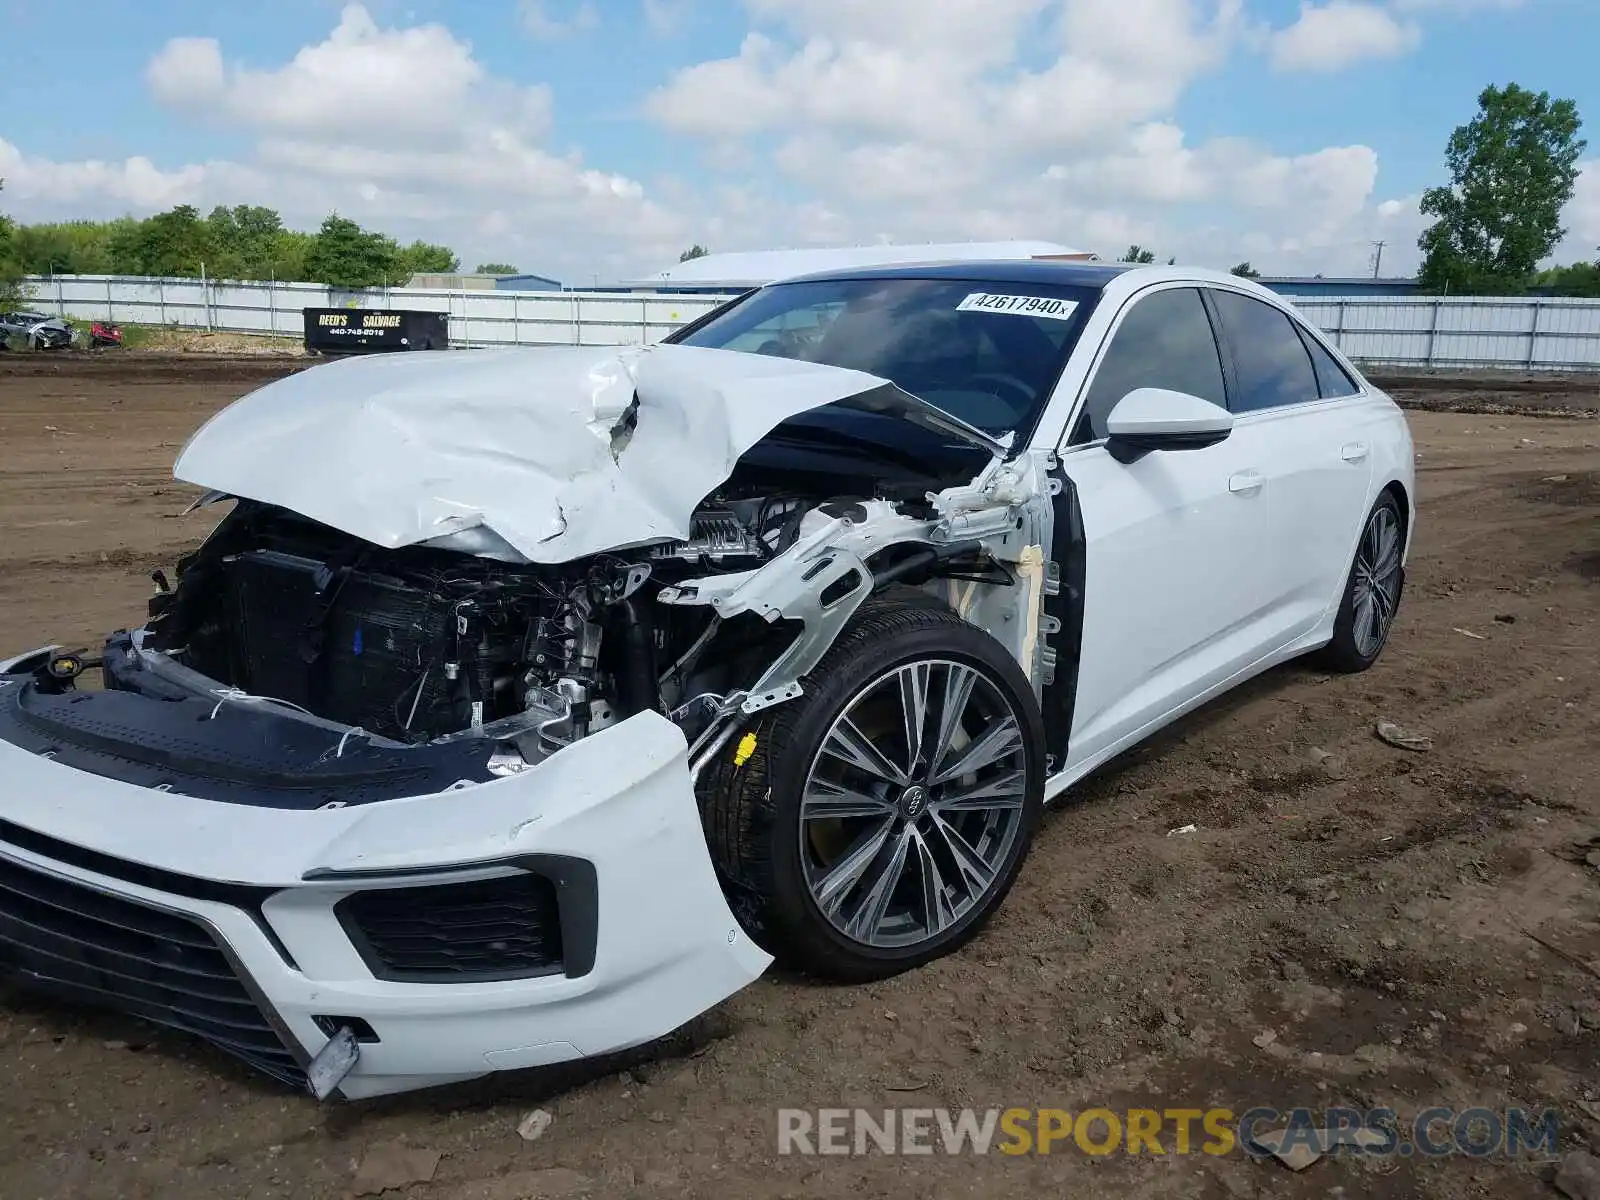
(1269, 359)
(1165, 341)
(988, 353)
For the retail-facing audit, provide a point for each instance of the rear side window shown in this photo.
(1165, 341)
(1332, 379)
(1270, 360)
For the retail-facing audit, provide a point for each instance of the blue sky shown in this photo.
(599, 137)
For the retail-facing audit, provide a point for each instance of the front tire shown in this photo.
(880, 820)
(1372, 592)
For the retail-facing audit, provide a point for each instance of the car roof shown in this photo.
(1006, 270)
(1129, 277)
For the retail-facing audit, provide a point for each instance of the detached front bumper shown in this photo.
(566, 911)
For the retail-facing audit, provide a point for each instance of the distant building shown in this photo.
(453, 282)
(526, 283)
(1318, 286)
(740, 271)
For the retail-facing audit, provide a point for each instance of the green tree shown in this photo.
(1138, 254)
(694, 251)
(244, 241)
(11, 289)
(175, 242)
(123, 246)
(1579, 279)
(68, 247)
(496, 268)
(1245, 271)
(1512, 171)
(424, 258)
(344, 255)
(289, 254)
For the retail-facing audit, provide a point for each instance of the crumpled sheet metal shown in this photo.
(520, 454)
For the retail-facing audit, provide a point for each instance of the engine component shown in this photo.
(714, 534)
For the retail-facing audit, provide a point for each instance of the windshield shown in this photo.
(988, 353)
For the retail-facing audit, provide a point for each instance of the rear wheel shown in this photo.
(881, 819)
(1372, 592)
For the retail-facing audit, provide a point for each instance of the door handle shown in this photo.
(1353, 452)
(1246, 483)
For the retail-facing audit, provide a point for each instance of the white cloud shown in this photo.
(1155, 165)
(135, 182)
(948, 136)
(990, 119)
(850, 67)
(537, 20)
(398, 127)
(421, 80)
(1582, 217)
(187, 71)
(1330, 37)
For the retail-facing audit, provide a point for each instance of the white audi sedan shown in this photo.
(526, 703)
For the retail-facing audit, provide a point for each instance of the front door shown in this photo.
(1176, 561)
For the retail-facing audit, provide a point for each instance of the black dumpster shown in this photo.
(372, 330)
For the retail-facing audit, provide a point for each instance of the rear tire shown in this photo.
(849, 844)
(1371, 592)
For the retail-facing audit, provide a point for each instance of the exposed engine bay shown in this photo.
(434, 597)
(419, 643)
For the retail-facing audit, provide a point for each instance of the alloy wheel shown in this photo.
(1376, 595)
(913, 804)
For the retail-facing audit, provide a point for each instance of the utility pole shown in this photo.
(1377, 262)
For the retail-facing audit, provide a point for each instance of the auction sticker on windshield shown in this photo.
(1021, 306)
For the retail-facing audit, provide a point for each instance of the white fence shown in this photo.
(1524, 333)
(477, 318)
(1527, 333)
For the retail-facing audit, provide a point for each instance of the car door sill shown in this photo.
(1062, 780)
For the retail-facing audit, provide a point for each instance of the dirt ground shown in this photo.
(1415, 929)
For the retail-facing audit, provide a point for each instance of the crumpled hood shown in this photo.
(545, 449)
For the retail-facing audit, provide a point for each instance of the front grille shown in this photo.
(111, 952)
(507, 928)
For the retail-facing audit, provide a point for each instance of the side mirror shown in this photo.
(1149, 419)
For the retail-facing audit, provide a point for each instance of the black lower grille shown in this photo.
(507, 928)
(88, 946)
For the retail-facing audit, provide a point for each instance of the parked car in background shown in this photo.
(35, 331)
(529, 702)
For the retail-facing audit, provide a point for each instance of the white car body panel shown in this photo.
(1189, 603)
(620, 799)
(1154, 527)
(1315, 503)
(523, 444)
(1192, 584)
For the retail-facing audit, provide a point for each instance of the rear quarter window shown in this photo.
(1333, 380)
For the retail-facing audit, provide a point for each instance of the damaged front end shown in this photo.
(488, 671)
(464, 669)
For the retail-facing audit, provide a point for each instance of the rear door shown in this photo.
(1173, 569)
(1303, 412)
